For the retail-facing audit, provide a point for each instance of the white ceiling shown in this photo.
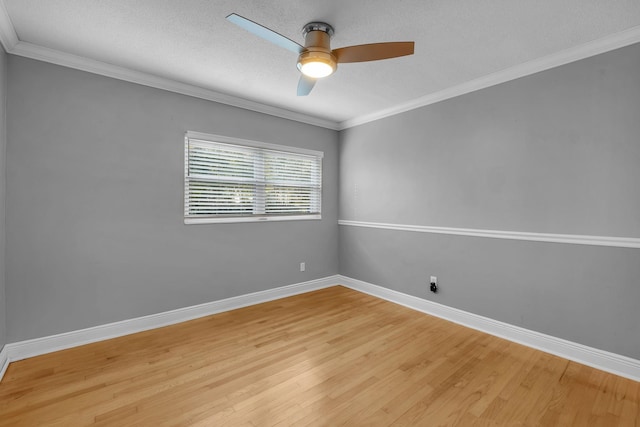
(188, 46)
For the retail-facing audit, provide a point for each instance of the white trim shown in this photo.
(13, 45)
(258, 181)
(592, 48)
(40, 53)
(8, 36)
(575, 239)
(209, 137)
(38, 346)
(255, 218)
(4, 361)
(599, 359)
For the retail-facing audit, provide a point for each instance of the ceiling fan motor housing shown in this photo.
(317, 45)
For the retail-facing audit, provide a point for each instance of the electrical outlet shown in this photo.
(433, 284)
(303, 266)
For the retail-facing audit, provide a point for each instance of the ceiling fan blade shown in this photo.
(305, 84)
(265, 33)
(373, 51)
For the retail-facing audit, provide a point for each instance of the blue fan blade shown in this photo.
(265, 33)
(305, 84)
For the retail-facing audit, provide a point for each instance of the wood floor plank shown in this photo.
(326, 358)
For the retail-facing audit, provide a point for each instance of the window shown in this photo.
(233, 180)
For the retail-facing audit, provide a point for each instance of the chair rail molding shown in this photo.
(575, 239)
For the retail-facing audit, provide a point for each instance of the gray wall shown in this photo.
(3, 99)
(94, 182)
(555, 152)
(95, 229)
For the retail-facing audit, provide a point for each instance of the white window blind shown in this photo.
(230, 180)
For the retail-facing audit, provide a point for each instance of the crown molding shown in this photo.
(8, 36)
(40, 53)
(13, 45)
(592, 48)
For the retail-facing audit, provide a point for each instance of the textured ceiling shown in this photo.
(190, 41)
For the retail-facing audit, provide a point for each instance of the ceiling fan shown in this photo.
(316, 59)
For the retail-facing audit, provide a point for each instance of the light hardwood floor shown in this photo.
(326, 358)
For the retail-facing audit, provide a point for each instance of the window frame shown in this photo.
(254, 217)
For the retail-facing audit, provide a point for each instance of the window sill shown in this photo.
(190, 221)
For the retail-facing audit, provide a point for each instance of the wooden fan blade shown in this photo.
(265, 33)
(373, 51)
(305, 84)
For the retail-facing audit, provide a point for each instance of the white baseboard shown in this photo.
(599, 359)
(38, 346)
(4, 361)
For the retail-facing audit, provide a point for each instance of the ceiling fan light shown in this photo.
(316, 69)
(316, 64)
